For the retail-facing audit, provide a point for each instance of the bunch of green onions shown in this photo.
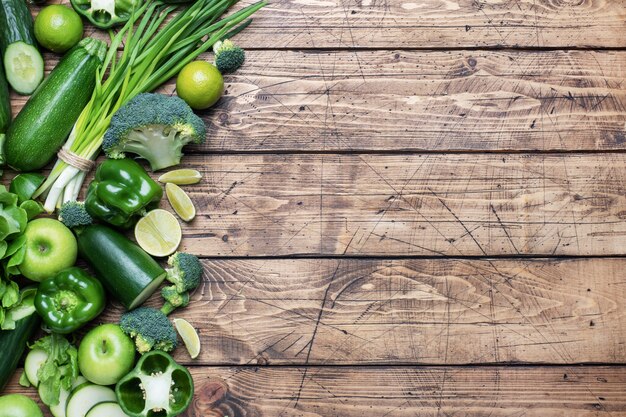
(151, 55)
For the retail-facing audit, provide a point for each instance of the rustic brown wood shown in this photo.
(351, 312)
(434, 24)
(427, 205)
(404, 391)
(392, 100)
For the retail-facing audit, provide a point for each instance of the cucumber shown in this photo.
(125, 270)
(33, 362)
(23, 63)
(111, 409)
(5, 103)
(13, 344)
(59, 409)
(46, 120)
(85, 397)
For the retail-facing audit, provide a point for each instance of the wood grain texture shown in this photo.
(297, 24)
(404, 392)
(412, 101)
(355, 312)
(399, 205)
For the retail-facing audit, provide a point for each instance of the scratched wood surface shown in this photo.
(313, 24)
(418, 100)
(404, 391)
(362, 311)
(413, 208)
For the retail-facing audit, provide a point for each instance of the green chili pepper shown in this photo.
(69, 300)
(158, 386)
(121, 192)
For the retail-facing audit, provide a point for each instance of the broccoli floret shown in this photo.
(73, 214)
(155, 127)
(150, 328)
(228, 56)
(185, 273)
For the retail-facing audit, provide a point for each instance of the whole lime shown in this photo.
(58, 28)
(200, 84)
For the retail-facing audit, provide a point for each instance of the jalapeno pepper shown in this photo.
(157, 386)
(121, 192)
(69, 300)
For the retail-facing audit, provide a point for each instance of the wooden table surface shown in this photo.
(414, 208)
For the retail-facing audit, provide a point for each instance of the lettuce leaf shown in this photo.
(59, 370)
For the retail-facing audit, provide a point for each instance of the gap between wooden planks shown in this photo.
(402, 391)
(358, 312)
(432, 24)
(479, 101)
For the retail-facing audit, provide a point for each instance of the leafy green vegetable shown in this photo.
(25, 185)
(59, 370)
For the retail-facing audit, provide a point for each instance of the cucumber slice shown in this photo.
(34, 360)
(85, 397)
(107, 410)
(59, 409)
(24, 67)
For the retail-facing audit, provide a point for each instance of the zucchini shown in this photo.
(34, 360)
(85, 397)
(107, 409)
(5, 103)
(46, 120)
(22, 61)
(13, 342)
(64, 395)
(128, 273)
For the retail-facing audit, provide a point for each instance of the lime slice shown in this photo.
(180, 201)
(189, 336)
(181, 177)
(158, 233)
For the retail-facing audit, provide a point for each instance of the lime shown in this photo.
(158, 233)
(181, 177)
(180, 201)
(189, 336)
(200, 84)
(58, 28)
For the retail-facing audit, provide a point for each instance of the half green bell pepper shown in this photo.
(158, 386)
(105, 14)
(121, 192)
(69, 300)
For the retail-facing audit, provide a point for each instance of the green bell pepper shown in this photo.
(158, 386)
(105, 14)
(69, 300)
(121, 192)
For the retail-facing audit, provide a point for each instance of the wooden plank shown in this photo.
(416, 100)
(434, 24)
(405, 391)
(400, 205)
(354, 312)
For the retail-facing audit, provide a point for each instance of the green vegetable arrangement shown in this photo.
(150, 57)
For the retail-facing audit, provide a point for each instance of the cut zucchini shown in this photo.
(59, 409)
(85, 397)
(33, 362)
(111, 409)
(24, 67)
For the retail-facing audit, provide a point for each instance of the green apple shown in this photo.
(106, 354)
(50, 247)
(18, 405)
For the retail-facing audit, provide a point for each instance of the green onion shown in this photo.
(150, 57)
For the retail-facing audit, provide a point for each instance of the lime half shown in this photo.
(158, 233)
(189, 336)
(180, 201)
(181, 177)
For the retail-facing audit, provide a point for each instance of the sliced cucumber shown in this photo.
(111, 409)
(59, 409)
(85, 397)
(34, 360)
(24, 67)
